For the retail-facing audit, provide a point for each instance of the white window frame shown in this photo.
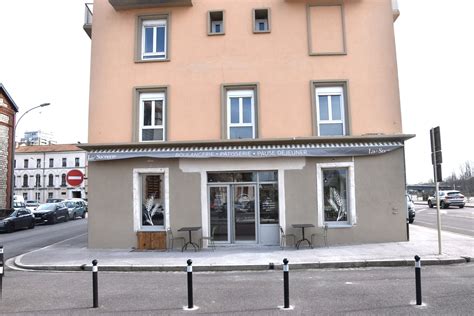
(154, 54)
(137, 195)
(330, 91)
(351, 203)
(241, 94)
(155, 96)
(258, 21)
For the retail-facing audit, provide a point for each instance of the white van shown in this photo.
(18, 198)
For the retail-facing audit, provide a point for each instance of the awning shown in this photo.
(301, 147)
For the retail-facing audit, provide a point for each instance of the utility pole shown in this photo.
(436, 160)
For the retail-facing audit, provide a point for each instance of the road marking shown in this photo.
(11, 263)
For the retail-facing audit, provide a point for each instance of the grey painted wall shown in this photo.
(111, 201)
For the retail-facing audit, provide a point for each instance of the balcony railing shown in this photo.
(136, 4)
(88, 19)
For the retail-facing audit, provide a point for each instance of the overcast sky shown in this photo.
(45, 57)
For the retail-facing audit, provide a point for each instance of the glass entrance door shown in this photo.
(244, 213)
(219, 212)
(232, 213)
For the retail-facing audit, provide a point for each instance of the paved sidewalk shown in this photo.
(67, 256)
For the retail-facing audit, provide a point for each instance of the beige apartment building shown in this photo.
(241, 117)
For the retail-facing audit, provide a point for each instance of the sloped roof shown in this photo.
(5, 92)
(47, 148)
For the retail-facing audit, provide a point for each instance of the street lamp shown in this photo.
(12, 193)
(38, 106)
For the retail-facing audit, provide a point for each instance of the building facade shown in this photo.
(242, 117)
(41, 172)
(8, 110)
(32, 138)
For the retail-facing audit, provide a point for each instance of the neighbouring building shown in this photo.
(37, 138)
(242, 117)
(41, 172)
(8, 110)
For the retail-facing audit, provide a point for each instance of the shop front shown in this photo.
(242, 195)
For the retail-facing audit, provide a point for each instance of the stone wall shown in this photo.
(4, 160)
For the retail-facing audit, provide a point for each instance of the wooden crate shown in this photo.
(151, 240)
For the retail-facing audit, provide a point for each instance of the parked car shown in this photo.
(11, 219)
(32, 205)
(447, 199)
(51, 213)
(75, 208)
(410, 209)
(18, 205)
(54, 200)
(81, 201)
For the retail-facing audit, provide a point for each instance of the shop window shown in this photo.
(150, 199)
(152, 117)
(50, 195)
(261, 20)
(153, 35)
(268, 203)
(216, 23)
(336, 197)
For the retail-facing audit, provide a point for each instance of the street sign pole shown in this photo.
(435, 169)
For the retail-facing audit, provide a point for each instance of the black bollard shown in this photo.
(95, 284)
(1, 270)
(418, 279)
(286, 286)
(190, 284)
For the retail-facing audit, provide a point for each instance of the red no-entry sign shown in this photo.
(74, 177)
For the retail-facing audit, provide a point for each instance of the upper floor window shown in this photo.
(25, 181)
(14, 163)
(50, 180)
(51, 162)
(25, 163)
(38, 181)
(38, 163)
(330, 111)
(152, 116)
(215, 22)
(154, 39)
(240, 114)
(64, 162)
(63, 180)
(76, 162)
(261, 20)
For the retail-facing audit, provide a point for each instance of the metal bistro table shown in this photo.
(302, 226)
(190, 242)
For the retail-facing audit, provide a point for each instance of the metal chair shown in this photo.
(322, 233)
(209, 238)
(171, 239)
(284, 237)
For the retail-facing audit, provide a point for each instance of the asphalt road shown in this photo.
(447, 290)
(22, 241)
(453, 219)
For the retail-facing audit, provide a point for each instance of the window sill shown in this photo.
(331, 226)
(139, 61)
(151, 229)
(215, 34)
(261, 32)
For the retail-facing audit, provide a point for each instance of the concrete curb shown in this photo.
(257, 267)
(426, 204)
